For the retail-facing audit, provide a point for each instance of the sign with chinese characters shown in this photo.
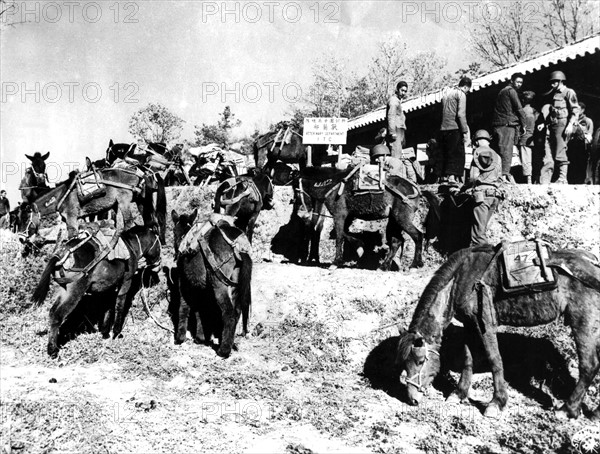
(318, 131)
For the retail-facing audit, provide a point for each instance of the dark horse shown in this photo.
(123, 189)
(35, 181)
(214, 283)
(469, 287)
(398, 202)
(84, 268)
(244, 197)
(285, 145)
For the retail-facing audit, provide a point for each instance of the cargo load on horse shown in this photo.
(485, 287)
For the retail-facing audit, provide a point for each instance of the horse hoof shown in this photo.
(454, 399)
(563, 413)
(492, 411)
(224, 353)
(360, 251)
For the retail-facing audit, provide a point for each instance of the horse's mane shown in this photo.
(404, 346)
(421, 318)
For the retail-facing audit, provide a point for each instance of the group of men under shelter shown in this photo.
(551, 145)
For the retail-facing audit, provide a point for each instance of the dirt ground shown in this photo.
(315, 374)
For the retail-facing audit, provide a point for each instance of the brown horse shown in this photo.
(214, 283)
(92, 272)
(123, 189)
(35, 181)
(285, 145)
(243, 198)
(397, 203)
(468, 287)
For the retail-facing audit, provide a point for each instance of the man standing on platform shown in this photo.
(563, 115)
(508, 122)
(454, 132)
(396, 132)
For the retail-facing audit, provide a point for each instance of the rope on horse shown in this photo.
(149, 314)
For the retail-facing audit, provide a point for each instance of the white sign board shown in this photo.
(326, 131)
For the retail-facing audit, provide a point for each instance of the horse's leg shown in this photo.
(315, 237)
(230, 314)
(404, 214)
(395, 240)
(340, 225)
(588, 351)
(182, 320)
(461, 394)
(488, 334)
(125, 297)
(250, 226)
(64, 304)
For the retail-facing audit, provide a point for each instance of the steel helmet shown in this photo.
(482, 134)
(380, 150)
(557, 75)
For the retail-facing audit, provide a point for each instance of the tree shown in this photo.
(503, 35)
(521, 29)
(155, 123)
(567, 21)
(219, 133)
(387, 68)
(426, 72)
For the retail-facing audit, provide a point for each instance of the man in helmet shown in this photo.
(484, 186)
(396, 132)
(508, 121)
(561, 120)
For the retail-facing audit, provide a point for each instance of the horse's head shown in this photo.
(182, 223)
(27, 221)
(38, 167)
(421, 362)
(118, 151)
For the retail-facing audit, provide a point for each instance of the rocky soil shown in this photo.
(315, 375)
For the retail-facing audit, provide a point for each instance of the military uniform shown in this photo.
(486, 179)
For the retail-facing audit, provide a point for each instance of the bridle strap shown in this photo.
(419, 383)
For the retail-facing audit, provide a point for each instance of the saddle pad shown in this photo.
(524, 266)
(368, 179)
(120, 251)
(190, 244)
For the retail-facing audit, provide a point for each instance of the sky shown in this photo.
(74, 72)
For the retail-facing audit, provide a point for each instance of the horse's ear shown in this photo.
(110, 143)
(29, 157)
(175, 216)
(193, 216)
(44, 157)
(402, 330)
(88, 163)
(132, 148)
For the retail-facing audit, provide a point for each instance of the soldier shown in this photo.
(396, 129)
(579, 149)
(4, 210)
(485, 186)
(526, 139)
(454, 131)
(561, 120)
(508, 117)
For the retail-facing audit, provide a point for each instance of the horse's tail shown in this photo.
(161, 209)
(433, 219)
(245, 290)
(41, 291)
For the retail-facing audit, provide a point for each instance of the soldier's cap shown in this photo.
(485, 158)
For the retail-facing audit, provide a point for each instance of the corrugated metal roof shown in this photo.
(579, 49)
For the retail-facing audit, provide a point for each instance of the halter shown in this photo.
(25, 233)
(419, 383)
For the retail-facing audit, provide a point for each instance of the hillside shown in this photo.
(313, 376)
